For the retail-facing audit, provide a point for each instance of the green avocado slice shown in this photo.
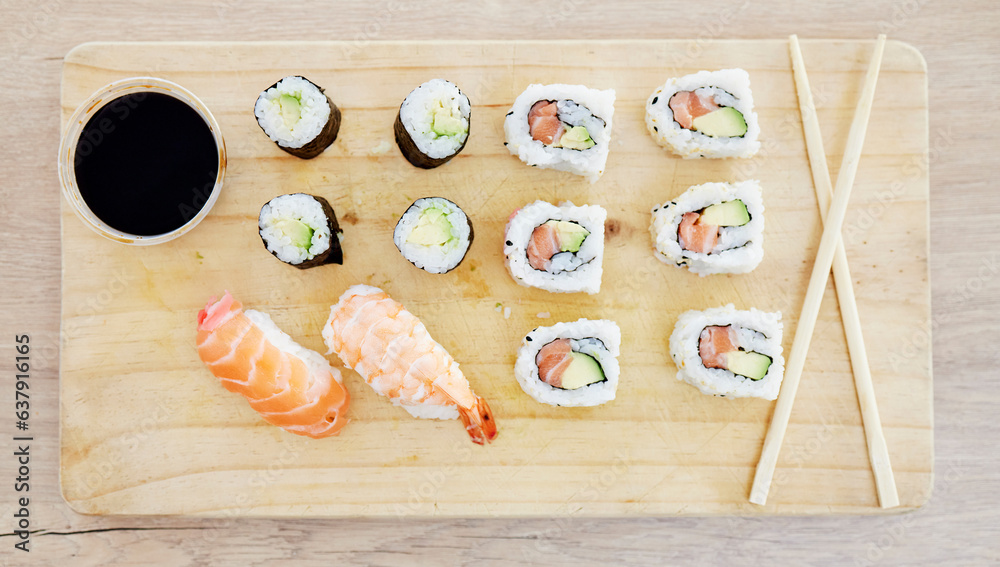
(583, 370)
(752, 365)
(727, 122)
(291, 109)
(577, 138)
(432, 229)
(571, 235)
(730, 213)
(299, 232)
(446, 124)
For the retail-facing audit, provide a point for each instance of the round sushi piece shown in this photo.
(713, 228)
(559, 249)
(707, 114)
(298, 116)
(570, 364)
(432, 124)
(433, 234)
(563, 127)
(301, 230)
(727, 352)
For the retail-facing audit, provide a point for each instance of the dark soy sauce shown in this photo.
(146, 163)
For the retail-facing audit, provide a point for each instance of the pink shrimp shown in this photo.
(391, 349)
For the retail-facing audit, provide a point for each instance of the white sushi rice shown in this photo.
(739, 249)
(314, 110)
(577, 106)
(728, 87)
(434, 259)
(417, 115)
(303, 208)
(314, 361)
(599, 338)
(757, 331)
(568, 272)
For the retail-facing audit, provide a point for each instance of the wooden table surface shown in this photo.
(959, 526)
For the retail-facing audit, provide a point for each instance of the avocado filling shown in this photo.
(752, 365)
(583, 370)
(432, 229)
(570, 234)
(297, 231)
(576, 138)
(291, 109)
(727, 122)
(729, 213)
(447, 121)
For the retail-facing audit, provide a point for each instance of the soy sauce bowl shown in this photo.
(70, 145)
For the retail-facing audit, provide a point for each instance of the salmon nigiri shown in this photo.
(391, 349)
(288, 385)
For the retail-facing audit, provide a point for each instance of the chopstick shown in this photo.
(878, 451)
(817, 283)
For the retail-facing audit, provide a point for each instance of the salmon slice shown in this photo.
(714, 343)
(543, 246)
(552, 360)
(305, 399)
(688, 105)
(696, 236)
(543, 123)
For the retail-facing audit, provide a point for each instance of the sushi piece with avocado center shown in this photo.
(433, 234)
(432, 125)
(718, 348)
(301, 230)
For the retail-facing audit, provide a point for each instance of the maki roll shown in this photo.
(564, 127)
(726, 352)
(433, 234)
(707, 114)
(558, 249)
(298, 117)
(713, 228)
(432, 125)
(570, 364)
(301, 230)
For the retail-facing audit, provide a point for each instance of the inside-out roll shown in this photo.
(707, 114)
(713, 228)
(433, 234)
(558, 249)
(564, 127)
(432, 125)
(570, 364)
(728, 352)
(298, 116)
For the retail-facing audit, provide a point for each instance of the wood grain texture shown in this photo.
(958, 525)
(660, 448)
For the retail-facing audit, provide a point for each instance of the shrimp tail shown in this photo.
(479, 422)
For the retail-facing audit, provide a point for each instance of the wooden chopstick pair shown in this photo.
(830, 254)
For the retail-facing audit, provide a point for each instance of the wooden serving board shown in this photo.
(147, 430)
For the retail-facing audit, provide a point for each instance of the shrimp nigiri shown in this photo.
(288, 385)
(391, 349)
